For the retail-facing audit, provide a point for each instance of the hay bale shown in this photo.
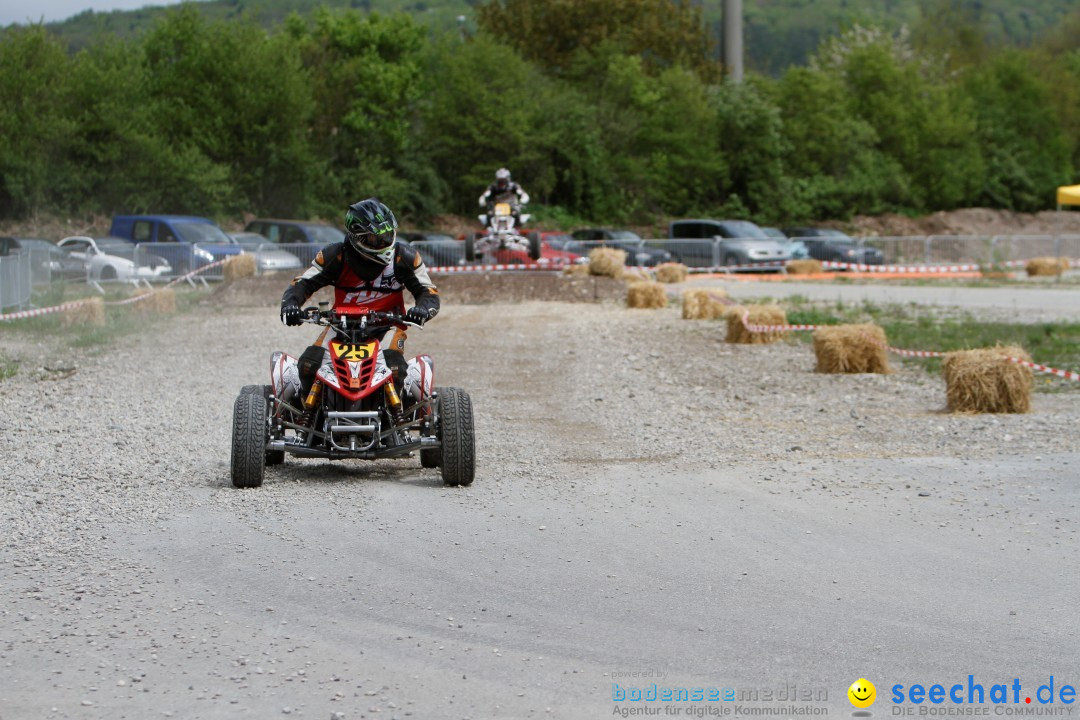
(759, 315)
(982, 381)
(671, 273)
(851, 349)
(576, 269)
(239, 266)
(161, 301)
(646, 295)
(805, 267)
(700, 304)
(607, 262)
(633, 275)
(1046, 266)
(90, 311)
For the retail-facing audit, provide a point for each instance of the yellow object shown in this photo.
(502, 209)
(862, 693)
(1068, 195)
(392, 397)
(312, 398)
(348, 351)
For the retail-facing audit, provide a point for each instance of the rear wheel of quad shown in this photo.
(273, 457)
(248, 440)
(458, 438)
(470, 246)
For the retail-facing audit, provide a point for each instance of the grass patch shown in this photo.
(8, 367)
(1053, 344)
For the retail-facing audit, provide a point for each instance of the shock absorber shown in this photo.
(311, 402)
(394, 402)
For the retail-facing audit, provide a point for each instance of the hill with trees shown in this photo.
(630, 118)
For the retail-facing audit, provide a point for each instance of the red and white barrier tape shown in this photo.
(1067, 374)
(22, 314)
(37, 312)
(859, 267)
(496, 268)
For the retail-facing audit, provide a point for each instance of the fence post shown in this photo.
(927, 250)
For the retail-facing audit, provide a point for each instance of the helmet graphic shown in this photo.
(371, 228)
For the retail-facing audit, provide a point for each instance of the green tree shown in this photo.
(1020, 133)
(230, 105)
(663, 32)
(35, 124)
(365, 75)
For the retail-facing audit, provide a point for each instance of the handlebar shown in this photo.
(331, 318)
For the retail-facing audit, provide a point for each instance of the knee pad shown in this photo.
(308, 365)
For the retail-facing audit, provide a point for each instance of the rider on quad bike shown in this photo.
(369, 271)
(504, 190)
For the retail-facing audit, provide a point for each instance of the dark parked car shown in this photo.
(295, 232)
(631, 242)
(741, 242)
(827, 244)
(48, 262)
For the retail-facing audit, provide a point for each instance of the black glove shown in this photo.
(290, 315)
(418, 315)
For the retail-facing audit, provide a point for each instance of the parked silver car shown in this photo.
(268, 259)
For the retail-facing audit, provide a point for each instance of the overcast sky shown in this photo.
(23, 11)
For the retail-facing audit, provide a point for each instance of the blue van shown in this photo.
(184, 230)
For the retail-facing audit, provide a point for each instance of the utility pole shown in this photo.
(733, 39)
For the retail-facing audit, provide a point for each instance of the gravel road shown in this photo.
(651, 505)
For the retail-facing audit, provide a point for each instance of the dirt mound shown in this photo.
(463, 289)
(969, 221)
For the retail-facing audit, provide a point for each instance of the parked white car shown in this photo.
(113, 259)
(268, 258)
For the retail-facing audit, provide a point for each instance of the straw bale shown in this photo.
(700, 304)
(633, 275)
(805, 267)
(161, 300)
(607, 262)
(1046, 266)
(759, 315)
(90, 311)
(646, 295)
(671, 273)
(239, 266)
(851, 349)
(981, 381)
(576, 269)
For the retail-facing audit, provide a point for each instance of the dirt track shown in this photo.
(648, 500)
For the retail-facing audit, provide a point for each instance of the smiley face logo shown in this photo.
(862, 693)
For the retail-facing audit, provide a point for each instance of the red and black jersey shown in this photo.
(361, 282)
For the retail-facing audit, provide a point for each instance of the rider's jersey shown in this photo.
(510, 192)
(360, 282)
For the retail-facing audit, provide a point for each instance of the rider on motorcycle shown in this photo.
(504, 190)
(369, 270)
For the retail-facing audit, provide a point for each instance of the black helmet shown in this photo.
(371, 228)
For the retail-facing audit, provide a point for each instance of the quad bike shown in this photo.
(351, 407)
(501, 235)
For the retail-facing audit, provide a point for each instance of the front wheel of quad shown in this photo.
(535, 246)
(273, 457)
(458, 437)
(248, 440)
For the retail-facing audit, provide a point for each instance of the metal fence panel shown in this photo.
(692, 253)
(175, 258)
(441, 253)
(15, 280)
